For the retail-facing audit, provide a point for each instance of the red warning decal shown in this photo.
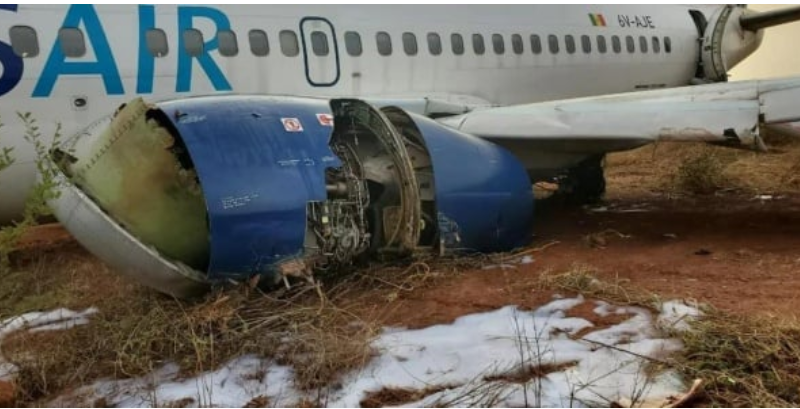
(292, 125)
(325, 119)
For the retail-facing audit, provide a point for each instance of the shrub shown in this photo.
(702, 173)
(44, 190)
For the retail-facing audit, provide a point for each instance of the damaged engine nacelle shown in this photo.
(187, 193)
(725, 42)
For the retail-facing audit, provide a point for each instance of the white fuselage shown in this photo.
(312, 52)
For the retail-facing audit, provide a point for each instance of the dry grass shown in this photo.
(527, 373)
(744, 361)
(136, 331)
(320, 340)
(41, 281)
(582, 280)
(398, 396)
(678, 168)
(701, 173)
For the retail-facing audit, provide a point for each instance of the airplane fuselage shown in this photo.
(473, 55)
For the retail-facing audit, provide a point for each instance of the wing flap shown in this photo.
(781, 105)
(720, 113)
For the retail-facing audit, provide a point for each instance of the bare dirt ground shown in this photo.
(734, 251)
(737, 254)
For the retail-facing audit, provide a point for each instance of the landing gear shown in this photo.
(585, 183)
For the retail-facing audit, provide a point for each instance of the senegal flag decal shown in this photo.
(597, 20)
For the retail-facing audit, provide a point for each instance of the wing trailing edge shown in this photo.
(726, 113)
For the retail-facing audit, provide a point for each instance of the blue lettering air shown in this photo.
(105, 67)
(147, 63)
(81, 15)
(186, 16)
(13, 66)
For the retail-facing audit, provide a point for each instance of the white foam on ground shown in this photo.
(602, 367)
(59, 319)
(499, 266)
(233, 385)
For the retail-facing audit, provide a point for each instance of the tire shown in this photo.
(586, 183)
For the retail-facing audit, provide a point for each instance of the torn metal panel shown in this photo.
(132, 172)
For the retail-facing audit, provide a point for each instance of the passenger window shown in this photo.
(457, 42)
(536, 44)
(569, 43)
(630, 44)
(434, 44)
(72, 42)
(384, 43)
(24, 41)
(586, 44)
(289, 45)
(601, 44)
(259, 45)
(552, 41)
(352, 41)
(193, 42)
(643, 43)
(319, 43)
(156, 40)
(668, 45)
(616, 44)
(656, 45)
(410, 43)
(228, 46)
(478, 45)
(516, 43)
(498, 44)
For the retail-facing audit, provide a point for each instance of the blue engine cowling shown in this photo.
(290, 183)
(480, 187)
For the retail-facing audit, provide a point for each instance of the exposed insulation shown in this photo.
(132, 174)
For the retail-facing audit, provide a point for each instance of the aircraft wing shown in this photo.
(433, 105)
(547, 134)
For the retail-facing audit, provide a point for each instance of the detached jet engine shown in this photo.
(187, 193)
